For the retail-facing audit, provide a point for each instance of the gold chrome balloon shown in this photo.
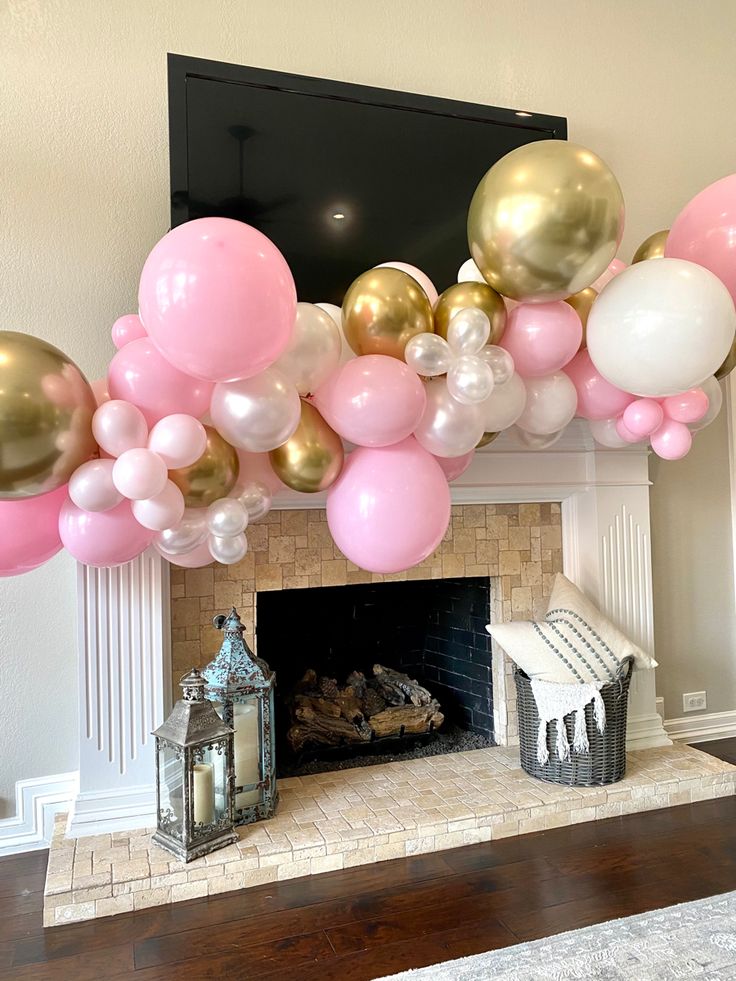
(46, 409)
(581, 303)
(652, 247)
(545, 221)
(382, 311)
(463, 295)
(729, 364)
(312, 459)
(485, 439)
(212, 476)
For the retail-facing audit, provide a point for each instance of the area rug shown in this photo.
(678, 943)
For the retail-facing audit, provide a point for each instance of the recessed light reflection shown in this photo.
(338, 215)
(524, 115)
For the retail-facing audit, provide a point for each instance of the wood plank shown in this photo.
(84, 966)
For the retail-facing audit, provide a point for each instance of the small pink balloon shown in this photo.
(454, 466)
(118, 426)
(102, 538)
(196, 559)
(390, 506)
(256, 467)
(597, 398)
(140, 374)
(614, 268)
(672, 441)
(29, 531)
(180, 440)
(642, 417)
(99, 390)
(162, 511)
(126, 329)
(91, 486)
(691, 406)
(373, 400)
(542, 337)
(139, 474)
(625, 433)
(218, 300)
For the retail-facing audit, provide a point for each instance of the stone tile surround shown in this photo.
(355, 817)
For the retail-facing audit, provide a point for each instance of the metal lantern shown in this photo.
(241, 687)
(194, 776)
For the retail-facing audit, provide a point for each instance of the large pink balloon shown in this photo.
(29, 531)
(542, 337)
(373, 400)
(126, 329)
(705, 231)
(218, 299)
(102, 538)
(140, 374)
(390, 506)
(597, 398)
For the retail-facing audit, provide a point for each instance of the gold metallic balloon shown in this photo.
(46, 409)
(462, 295)
(729, 364)
(312, 459)
(382, 311)
(212, 476)
(485, 439)
(652, 247)
(545, 221)
(581, 303)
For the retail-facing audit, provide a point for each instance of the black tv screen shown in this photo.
(341, 177)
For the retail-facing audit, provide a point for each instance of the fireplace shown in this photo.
(433, 631)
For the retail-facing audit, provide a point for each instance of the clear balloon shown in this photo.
(256, 499)
(504, 405)
(29, 531)
(625, 433)
(119, 426)
(672, 441)
(534, 441)
(228, 551)
(314, 350)
(691, 406)
(91, 486)
(597, 398)
(469, 273)
(542, 337)
(428, 355)
(422, 278)
(257, 414)
(139, 474)
(126, 329)
(714, 393)
(180, 440)
(604, 432)
(102, 538)
(453, 467)
(195, 558)
(468, 331)
(163, 511)
(190, 532)
(226, 518)
(469, 380)
(448, 428)
(642, 417)
(551, 402)
(499, 361)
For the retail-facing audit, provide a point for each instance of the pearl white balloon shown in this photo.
(226, 518)
(162, 511)
(256, 414)
(186, 535)
(604, 432)
(712, 388)
(347, 353)
(499, 361)
(428, 355)
(448, 428)
(228, 551)
(469, 273)
(179, 439)
(469, 380)
(504, 405)
(532, 441)
(417, 275)
(551, 401)
(468, 331)
(256, 498)
(660, 328)
(314, 350)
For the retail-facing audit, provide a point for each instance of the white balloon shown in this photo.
(256, 498)
(447, 427)
(416, 274)
(499, 361)
(660, 328)
(228, 551)
(551, 401)
(604, 432)
(162, 511)
(347, 353)
(91, 486)
(712, 388)
(469, 380)
(468, 331)
(256, 414)
(313, 351)
(532, 441)
(469, 273)
(428, 355)
(186, 535)
(226, 518)
(504, 405)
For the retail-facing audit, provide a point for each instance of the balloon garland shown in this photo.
(224, 389)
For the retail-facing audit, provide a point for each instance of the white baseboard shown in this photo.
(102, 811)
(646, 732)
(37, 801)
(701, 728)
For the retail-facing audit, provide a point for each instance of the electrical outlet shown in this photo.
(694, 701)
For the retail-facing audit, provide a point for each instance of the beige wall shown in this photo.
(83, 167)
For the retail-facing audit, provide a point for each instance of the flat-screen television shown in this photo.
(341, 177)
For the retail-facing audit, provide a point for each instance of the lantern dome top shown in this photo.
(235, 669)
(193, 719)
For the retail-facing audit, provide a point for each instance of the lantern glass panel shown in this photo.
(171, 790)
(209, 786)
(247, 723)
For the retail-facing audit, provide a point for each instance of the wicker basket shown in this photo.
(604, 763)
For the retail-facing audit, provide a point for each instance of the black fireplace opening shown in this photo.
(432, 631)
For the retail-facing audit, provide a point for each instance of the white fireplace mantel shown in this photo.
(124, 632)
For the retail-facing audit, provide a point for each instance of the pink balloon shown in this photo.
(257, 467)
(705, 231)
(672, 441)
(91, 486)
(454, 466)
(139, 474)
(373, 400)
(642, 417)
(140, 374)
(390, 506)
(29, 531)
(118, 426)
(597, 398)
(162, 511)
(102, 538)
(218, 299)
(542, 337)
(196, 559)
(126, 329)
(625, 433)
(614, 268)
(99, 390)
(691, 406)
(180, 440)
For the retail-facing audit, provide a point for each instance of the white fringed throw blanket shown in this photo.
(555, 701)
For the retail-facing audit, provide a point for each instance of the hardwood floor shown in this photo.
(373, 920)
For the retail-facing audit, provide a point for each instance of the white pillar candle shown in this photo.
(247, 750)
(204, 793)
